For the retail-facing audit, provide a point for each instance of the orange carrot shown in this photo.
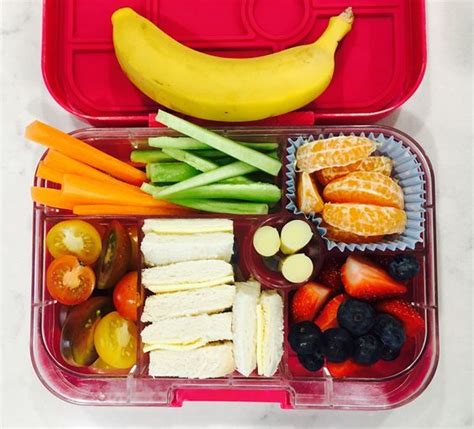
(88, 191)
(67, 165)
(49, 174)
(106, 209)
(68, 145)
(50, 198)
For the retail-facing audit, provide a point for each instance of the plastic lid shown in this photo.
(379, 64)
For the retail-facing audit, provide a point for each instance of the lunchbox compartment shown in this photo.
(292, 386)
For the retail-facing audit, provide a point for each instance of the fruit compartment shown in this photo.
(292, 385)
(385, 55)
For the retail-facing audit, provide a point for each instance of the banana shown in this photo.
(224, 89)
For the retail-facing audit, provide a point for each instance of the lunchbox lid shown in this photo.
(379, 65)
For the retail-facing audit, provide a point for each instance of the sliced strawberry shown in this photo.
(401, 309)
(328, 316)
(330, 274)
(365, 280)
(308, 300)
(348, 368)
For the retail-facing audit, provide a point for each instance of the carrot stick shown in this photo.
(49, 174)
(88, 191)
(50, 198)
(68, 145)
(67, 165)
(107, 209)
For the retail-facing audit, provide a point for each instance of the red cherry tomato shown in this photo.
(68, 281)
(127, 296)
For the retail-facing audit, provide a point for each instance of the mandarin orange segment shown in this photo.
(365, 187)
(379, 164)
(308, 197)
(365, 219)
(333, 152)
(337, 234)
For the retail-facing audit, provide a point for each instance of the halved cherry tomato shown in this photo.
(100, 367)
(77, 334)
(134, 252)
(127, 297)
(74, 237)
(115, 256)
(115, 341)
(68, 281)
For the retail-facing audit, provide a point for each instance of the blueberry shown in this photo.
(338, 345)
(313, 361)
(390, 331)
(389, 354)
(305, 337)
(357, 317)
(368, 349)
(403, 267)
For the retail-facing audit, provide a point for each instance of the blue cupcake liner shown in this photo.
(406, 170)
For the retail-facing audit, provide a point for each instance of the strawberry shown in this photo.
(364, 280)
(328, 316)
(330, 274)
(406, 313)
(308, 300)
(348, 368)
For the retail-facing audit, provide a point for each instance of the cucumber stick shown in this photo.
(189, 158)
(232, 170)
(202, 164)
(231, 148)
(170, 172)
(148, 156)
(189, 143)
(228, 207)
(258, 192)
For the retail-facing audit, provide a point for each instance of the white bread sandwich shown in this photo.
(185, 333)
(213, 360)
(244, 326)
(187, 226)
(269, 332)
(188, 303)
(187, 275)
(164, 249)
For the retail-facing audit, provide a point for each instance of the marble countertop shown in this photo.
(439, 116)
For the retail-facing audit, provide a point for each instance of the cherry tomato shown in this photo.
(134, 252)
(68, 281)
(115, 256)
(100, 367)
(127, 297)
(77, 334)
(115, 341)
(74, 237)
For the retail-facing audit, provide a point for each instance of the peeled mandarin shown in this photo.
(378, 164)
(333, 152)
(365, 187)
(308, 198)
(365, 219)
(336, 234)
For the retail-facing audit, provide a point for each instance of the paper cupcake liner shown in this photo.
(406, 170)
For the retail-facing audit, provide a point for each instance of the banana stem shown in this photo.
(348, 15)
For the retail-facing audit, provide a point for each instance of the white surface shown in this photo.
(439, 116)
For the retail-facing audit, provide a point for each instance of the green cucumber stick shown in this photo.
(237, 151)
(170, 172)
(232, 170)
(189, 143)
(258, 192)
(147, 156)
(228, 207)
(189, 158)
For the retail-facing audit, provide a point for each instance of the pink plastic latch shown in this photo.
(231, 395)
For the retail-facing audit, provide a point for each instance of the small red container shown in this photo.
(378, 67)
